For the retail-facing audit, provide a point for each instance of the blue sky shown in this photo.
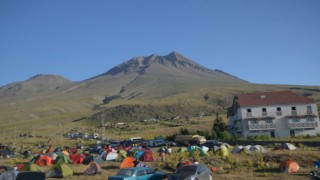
(262, 41)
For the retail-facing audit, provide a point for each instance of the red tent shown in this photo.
(148, 157)
(77, 158)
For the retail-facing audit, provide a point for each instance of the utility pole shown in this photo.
(103, 127)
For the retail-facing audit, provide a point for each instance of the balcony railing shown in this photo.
(249, 114)
(262, 126)
(309, 112)
(303, 125)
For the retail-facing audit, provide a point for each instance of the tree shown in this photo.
(225, 135)
(218, 125)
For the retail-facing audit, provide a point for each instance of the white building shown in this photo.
(277, 114)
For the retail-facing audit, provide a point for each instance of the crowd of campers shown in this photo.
(134, 154)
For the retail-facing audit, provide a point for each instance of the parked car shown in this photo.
(138, 173)
(192, 172)
(211, 143)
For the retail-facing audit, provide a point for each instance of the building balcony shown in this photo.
(299, 125)
(249, 114)
(309, 112)
(262, 126)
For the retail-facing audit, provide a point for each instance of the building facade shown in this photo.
(277, 114)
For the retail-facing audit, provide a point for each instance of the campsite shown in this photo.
(285, 161)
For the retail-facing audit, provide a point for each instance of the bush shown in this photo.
(225, 135)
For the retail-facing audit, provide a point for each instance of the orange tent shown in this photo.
(127, 162)
(289, 166)
(43, 161)
(65, 153)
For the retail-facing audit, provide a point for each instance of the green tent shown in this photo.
(198, 150)
(121, 155)
(61, 158)
(31, 167)
(182, 150)
(60, 171)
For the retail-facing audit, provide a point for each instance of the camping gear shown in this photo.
(289, 166)
(317, 164)
(223, 151)
(237, 149)
(289, 146)
(147, 156)
(8, 173)
(43, 160)
(111, 156)
(92, 169)
(127, 162)
(31, 175)
(138, 154)
(77, 158)
(61, 158)
(30, 167)
(60, 171)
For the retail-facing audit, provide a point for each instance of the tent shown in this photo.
(121, 155)
(30, 167)
(87, 159)
(317, 164)
(90, 158)
(139, 154)
(43, 160)
(289, 146)
(223, 151)
(76, 158)
(127, 162)
(111, 156)
(60, 171)
(92, 169)
(31, 175)
(182, 150)
(9, 173)
(147, 156)
(237, 149)
(289, 166)
(198, 150)
(61, 158)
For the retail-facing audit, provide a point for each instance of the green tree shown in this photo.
(225, 135)
(218, 126)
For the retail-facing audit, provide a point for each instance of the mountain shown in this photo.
(159, 76)
(142, 87)
(40, 84)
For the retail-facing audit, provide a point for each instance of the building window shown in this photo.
(310, 119)
(264, 111)
(309, 110)
(279, 112)
(254, 121)
(293, 111)
(268, 121)
(249, 114)
(295, 119)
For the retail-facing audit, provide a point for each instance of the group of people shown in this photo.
(164, 151)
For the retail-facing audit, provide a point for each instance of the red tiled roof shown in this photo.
(271, 98)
